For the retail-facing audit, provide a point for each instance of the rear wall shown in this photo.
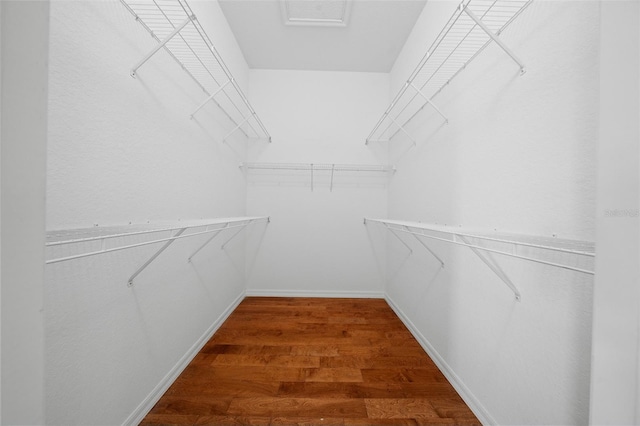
(317, 243)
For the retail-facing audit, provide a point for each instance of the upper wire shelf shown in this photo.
(572, 255)
(471, 28)
(175, 27)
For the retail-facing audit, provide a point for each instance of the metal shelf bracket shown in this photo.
(491, 266)
(425, 246)
(244, 225)
(210, 98)
(161, 44)
(495, 38)
(403, 130)
(237, 127)
(152, 258)
(398, 237)
(211, 238)
(446, 120)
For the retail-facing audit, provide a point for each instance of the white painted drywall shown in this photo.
(518, 156)
(615, 376)
(25, 34)
(316, 244)
(123, 150)
(128, 138)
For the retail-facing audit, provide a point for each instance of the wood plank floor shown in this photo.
(310, 361)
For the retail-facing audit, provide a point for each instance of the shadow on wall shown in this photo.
(253, 244)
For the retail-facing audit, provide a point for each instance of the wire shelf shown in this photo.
(175, 27)
(319, 167)
(471, 28)
(573, 255)
(325, 168)
(87, 242)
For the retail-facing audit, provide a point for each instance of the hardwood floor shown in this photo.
(309, 361)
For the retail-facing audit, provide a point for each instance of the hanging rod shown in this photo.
(177, 231)
(470, 29)
(461, 237)
(176, 29)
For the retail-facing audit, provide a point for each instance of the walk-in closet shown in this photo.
(345, 212)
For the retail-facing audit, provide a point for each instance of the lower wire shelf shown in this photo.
(459, 236)
(100, 240)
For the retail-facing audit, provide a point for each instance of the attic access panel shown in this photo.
(316, 12)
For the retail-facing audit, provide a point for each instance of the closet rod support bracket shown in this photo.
(161, 45)
(237, 127)
(213, 95)
(496, 39)
(404, 131)
(428, 101)
(491, 266)
(425, 246)
(211, 238)
(152, 258)
(393, 232)
(234, 234)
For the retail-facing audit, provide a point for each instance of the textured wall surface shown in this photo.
(518, 156)
(317, 243)
(123, 150)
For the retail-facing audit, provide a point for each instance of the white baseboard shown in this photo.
(316, 293)
(143, 409)
(465, 393)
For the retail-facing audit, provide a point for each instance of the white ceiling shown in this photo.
(370, 39)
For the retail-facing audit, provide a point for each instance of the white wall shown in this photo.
(518, 157)
(316, 244)
(615, 376)
(25, 33)
(123, 150)
(131, 140)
